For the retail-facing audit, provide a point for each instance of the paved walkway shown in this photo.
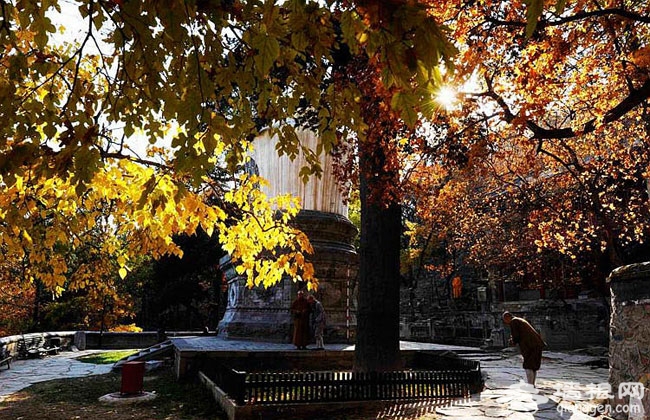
(565, 387)
(505, 395)
(24, 373)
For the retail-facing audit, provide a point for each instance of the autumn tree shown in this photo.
(15, 305)
(203, 77)
(74, 113)
(549, 136)
(389, 117)
(192, 286)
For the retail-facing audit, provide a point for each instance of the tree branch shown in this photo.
(117, 155)
(89, 34)
(635, 98)
(578, 16)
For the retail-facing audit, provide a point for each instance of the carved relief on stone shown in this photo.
(233, 295)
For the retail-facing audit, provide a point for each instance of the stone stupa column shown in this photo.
(263, 314)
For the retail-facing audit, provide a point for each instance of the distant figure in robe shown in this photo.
(530, 344)
(456, 287)
(300, 311)
(317, 321)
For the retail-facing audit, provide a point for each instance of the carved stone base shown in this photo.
(264, 313)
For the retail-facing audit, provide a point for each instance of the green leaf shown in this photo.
(559, 6)
(50, 130)
(329, 140)
(268, 50)
(299, 40)
(404, 103)
(350, 28)
(41, 39)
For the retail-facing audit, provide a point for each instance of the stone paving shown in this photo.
(24, 373)
(505, 396)
(564, 385)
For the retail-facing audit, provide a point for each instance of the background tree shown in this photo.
(548, 140)
(185, 293)
(14, 304)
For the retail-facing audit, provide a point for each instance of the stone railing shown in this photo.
(83, 340)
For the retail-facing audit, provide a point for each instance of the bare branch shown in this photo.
(118, 155)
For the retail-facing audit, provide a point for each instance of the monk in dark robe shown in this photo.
(530, 344)
(300, 310)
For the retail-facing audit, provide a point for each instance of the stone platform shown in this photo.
(503, 397)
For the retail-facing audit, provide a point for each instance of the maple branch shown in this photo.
(490, 93)
(530, 193)
(124, 38)
(566, 165)
(578, 16)
(89, 35)
(56, 73)
(635, 98)
(196, 56)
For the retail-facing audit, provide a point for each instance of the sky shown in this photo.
(73, 29)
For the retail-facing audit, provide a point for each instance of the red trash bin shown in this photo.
(132, 378)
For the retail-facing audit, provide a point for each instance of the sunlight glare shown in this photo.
(446, 97)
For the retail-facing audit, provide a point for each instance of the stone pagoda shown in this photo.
(263, 314)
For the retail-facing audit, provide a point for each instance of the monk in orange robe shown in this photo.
(530, 344)
(300, 310)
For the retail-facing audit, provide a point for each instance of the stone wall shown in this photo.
(83, 340)
(568, 324)
(565, 325)
(629, 345)
(64, 338)
(118, 340)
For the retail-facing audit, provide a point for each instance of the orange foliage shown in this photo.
(541, 171)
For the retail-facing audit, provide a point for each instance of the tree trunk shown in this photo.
(36, 309)
(377, 347)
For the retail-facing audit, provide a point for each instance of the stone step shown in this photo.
(149, 353)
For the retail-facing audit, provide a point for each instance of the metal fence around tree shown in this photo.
(452, 378)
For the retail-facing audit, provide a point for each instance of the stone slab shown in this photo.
(464, 413)
(493, 412)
